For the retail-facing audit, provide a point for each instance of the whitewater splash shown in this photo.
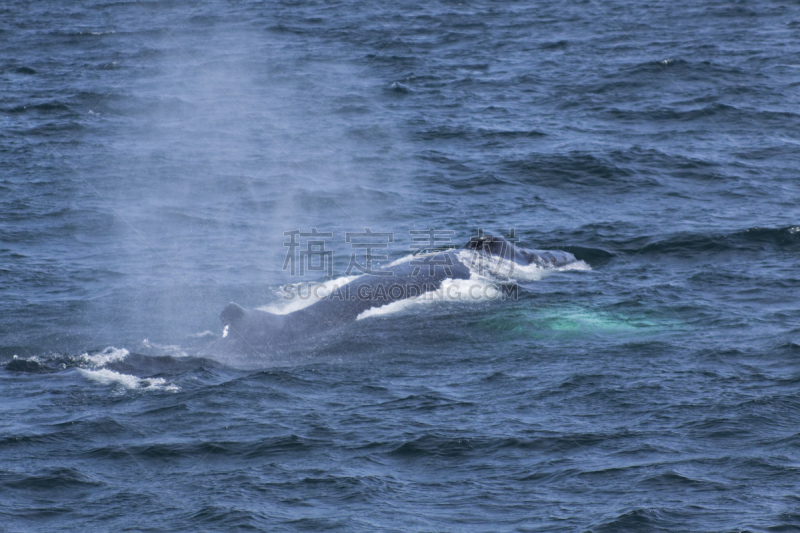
(110, 377)
(96, 371)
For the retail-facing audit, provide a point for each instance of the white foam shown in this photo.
(402, 260)
(108, 355)
(173, 350)
(391, 308)
(505, 269)
(202, 334)
(109, 377)
(475, 289)
(32, 358)
(303, 295)
(535, 273)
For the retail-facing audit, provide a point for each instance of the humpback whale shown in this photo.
(253, 330)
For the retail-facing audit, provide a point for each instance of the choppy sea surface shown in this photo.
(152, 155)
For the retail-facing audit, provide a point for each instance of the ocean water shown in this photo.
(152, 155)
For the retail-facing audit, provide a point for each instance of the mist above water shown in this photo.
(215, 144)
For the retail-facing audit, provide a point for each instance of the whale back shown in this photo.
(499, 246)
(250, 329)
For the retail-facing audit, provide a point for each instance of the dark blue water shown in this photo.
(152, 154)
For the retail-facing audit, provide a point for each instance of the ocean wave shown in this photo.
(110, 366)
(467, 132)
(436, 445)
(109, 377)
(245, 449)
(682, 67)
(689, 244)
(641, 519)
(568, 170)
(53, 129)
(716, 112)
(54, 107)
(51, 479)
(107, 355)
(30, 365)
(755, 239)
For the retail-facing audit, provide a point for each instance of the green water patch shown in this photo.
(572, 321)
